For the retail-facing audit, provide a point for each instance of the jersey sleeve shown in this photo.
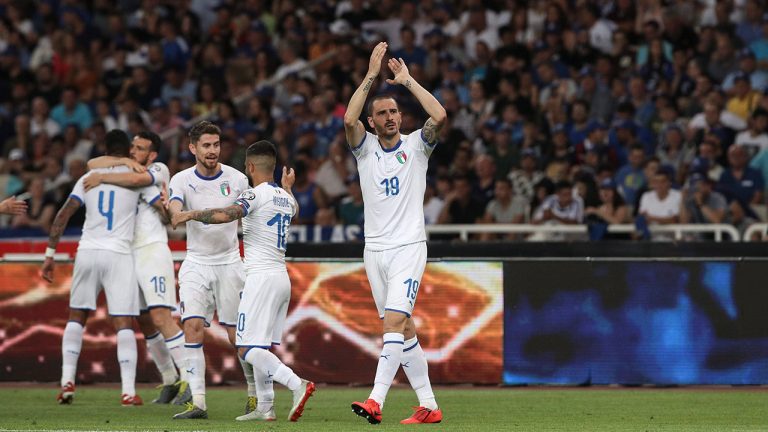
(159, 173)
(424, 146)
(247, 201)
(78, 191)
(176, 188)
(359, 150)
(150, 194)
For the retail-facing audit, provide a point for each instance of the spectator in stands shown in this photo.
(351, 207)
(524, 178)
(709, 150)
(504, 208)
(755, 137)
(630, 178)
(673, 151)
(461, 207)
(701, 204)
(744, 99)
(70, 111)
(611, 209)
(562, 207)
(485, 176)
(41, 208)
(741, 183)
(758, 78)
(434, 198)
(332, 175)
(40, 121)
(309, 196)
(661, 205)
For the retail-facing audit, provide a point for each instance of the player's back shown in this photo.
(393, 182)
(269, 210)
(149, 226)
(110, 213)
(209, 244)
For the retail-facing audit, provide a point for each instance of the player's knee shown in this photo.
(160, 317)
(193, 330)
(394, 322)
(122, 322)
(241, 352)
(78, 315)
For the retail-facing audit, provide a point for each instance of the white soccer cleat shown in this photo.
(268, 415)
(300, 397)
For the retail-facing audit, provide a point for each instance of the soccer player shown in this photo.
(266, 211)
(103, 260)
(12, 206)
(153, 263)
(212, 275)
(392, 168)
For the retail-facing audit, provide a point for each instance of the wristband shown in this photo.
(50, 252)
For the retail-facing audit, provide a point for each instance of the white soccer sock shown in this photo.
(265, 390)
(126, 356)
(162, 358)
(271, 366)
(248, 372)
(178, 353)
(414, 364)
(196, 373)
(71, 343)
(389, 363)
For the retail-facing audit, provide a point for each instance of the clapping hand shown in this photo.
(288, 179)
(398, 67)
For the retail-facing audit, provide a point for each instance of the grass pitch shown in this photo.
(465, 409)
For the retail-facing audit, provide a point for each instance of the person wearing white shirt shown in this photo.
(661, 205)
(212, 274)
(266, 211)
(103, 260)
(393, 169)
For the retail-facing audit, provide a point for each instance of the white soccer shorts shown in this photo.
(102, 269)
(395, 275)
(205, 289)
(154, 271)
(263, 309)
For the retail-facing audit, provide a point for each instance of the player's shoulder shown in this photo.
(184, 173)
(157, 167)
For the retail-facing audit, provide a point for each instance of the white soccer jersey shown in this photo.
(268, 213)
(211, 244)
(393, 183)
(149, 227)
(110, 213)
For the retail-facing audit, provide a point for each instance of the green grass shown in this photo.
(465, 409)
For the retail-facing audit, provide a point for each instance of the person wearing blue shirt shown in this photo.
(747, 65)
(630, 178)
(740, 182)
(70, 111)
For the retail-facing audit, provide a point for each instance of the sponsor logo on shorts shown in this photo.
(181, 307)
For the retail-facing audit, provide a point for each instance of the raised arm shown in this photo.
(209, 216)
(436, 111)
(287, 181)
(57, 229)
(128, 179)
(354, 128)
(113, 161)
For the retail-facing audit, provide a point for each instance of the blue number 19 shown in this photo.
(391, 186)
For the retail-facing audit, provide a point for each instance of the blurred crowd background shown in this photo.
(598, 112)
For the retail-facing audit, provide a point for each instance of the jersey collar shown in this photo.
(213, 177)
(397, 146)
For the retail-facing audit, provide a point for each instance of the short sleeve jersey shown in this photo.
(149, 227)
(393, 182)
(110, 213)
(268, 210)
(210, 244)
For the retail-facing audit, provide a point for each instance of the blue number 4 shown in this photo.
(108, 213)
(391, 186)
(413, 289)
(282, 221)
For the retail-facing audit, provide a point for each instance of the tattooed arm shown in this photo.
(354, 128)
(209, 216)
(57, 229)
(436, 111)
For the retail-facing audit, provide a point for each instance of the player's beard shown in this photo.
(209, 163)
(386, 131)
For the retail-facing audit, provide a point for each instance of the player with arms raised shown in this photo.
(393, 169)
(266, 211)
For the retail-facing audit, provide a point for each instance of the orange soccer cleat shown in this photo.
(128, 401)
(67, 394)
(369, 409)
(424, 415)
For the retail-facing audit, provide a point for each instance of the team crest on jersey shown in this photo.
(401, 157)
(225, 190)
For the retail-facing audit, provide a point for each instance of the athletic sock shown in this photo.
(265, 391)
(248, 372)
(175, 346)
(414, 364)
(196, 373)
(271, 366)
(162, 358)
(71, 343)
(126, 356)
(389, 363)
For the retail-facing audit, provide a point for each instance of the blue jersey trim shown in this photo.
(275, 343)
(180, 335)
(243, 205)
(427, 143)
(397, 146)
(154, 200)
(152, 337)
(158, 306)
(394, 342)
(362, 141)
(190, 345)
(397, 310)
(411, 347)
(177, 198)
(77, 198)
(273, 184)
(213, 177)
(153, 177)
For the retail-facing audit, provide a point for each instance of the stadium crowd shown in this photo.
(613, 111)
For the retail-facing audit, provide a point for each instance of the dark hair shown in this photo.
(563, 184)
(117, 143)
(154, 140)
(261, 148)
(637, 146)
(202, 128)
(378, 98)
(505, 180)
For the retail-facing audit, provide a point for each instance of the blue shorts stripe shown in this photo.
(180, 335)
(189, 345)
(411, 347)
(152, 337)
(227, 324)
(158, 306)
(395, 342)
(399, 311)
